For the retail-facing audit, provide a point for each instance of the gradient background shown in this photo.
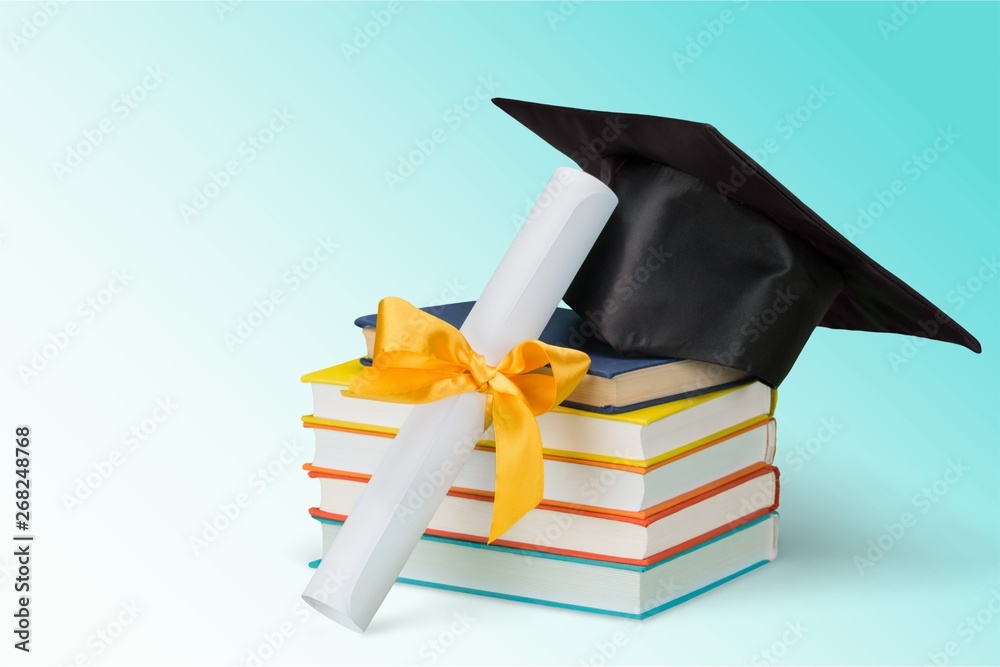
(437, 237)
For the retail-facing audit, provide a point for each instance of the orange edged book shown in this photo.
(634, 538)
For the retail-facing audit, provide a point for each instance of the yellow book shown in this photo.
(639, 438)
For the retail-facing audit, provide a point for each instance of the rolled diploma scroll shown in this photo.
(436, 438)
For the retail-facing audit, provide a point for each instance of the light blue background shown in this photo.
(438, 236)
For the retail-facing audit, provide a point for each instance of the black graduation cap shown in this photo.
(708, 257)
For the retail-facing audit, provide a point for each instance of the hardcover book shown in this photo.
(614, 383)
(640, 438)
(601, 486)
(618, 589)
(674, 526)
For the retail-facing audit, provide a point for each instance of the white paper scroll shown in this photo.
(434, 442)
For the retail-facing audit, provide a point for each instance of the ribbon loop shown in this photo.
(419, 358)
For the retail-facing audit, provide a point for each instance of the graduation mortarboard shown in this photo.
(708, 257)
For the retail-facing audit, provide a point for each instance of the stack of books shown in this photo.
(658, 483)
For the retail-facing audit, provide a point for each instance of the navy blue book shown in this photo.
(614, 383)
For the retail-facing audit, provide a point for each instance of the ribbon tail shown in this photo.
(520, 467)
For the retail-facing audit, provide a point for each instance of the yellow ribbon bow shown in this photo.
(419, 358)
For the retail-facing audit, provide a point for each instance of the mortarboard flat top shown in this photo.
(709, 257)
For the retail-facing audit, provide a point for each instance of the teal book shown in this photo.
(618, 589)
